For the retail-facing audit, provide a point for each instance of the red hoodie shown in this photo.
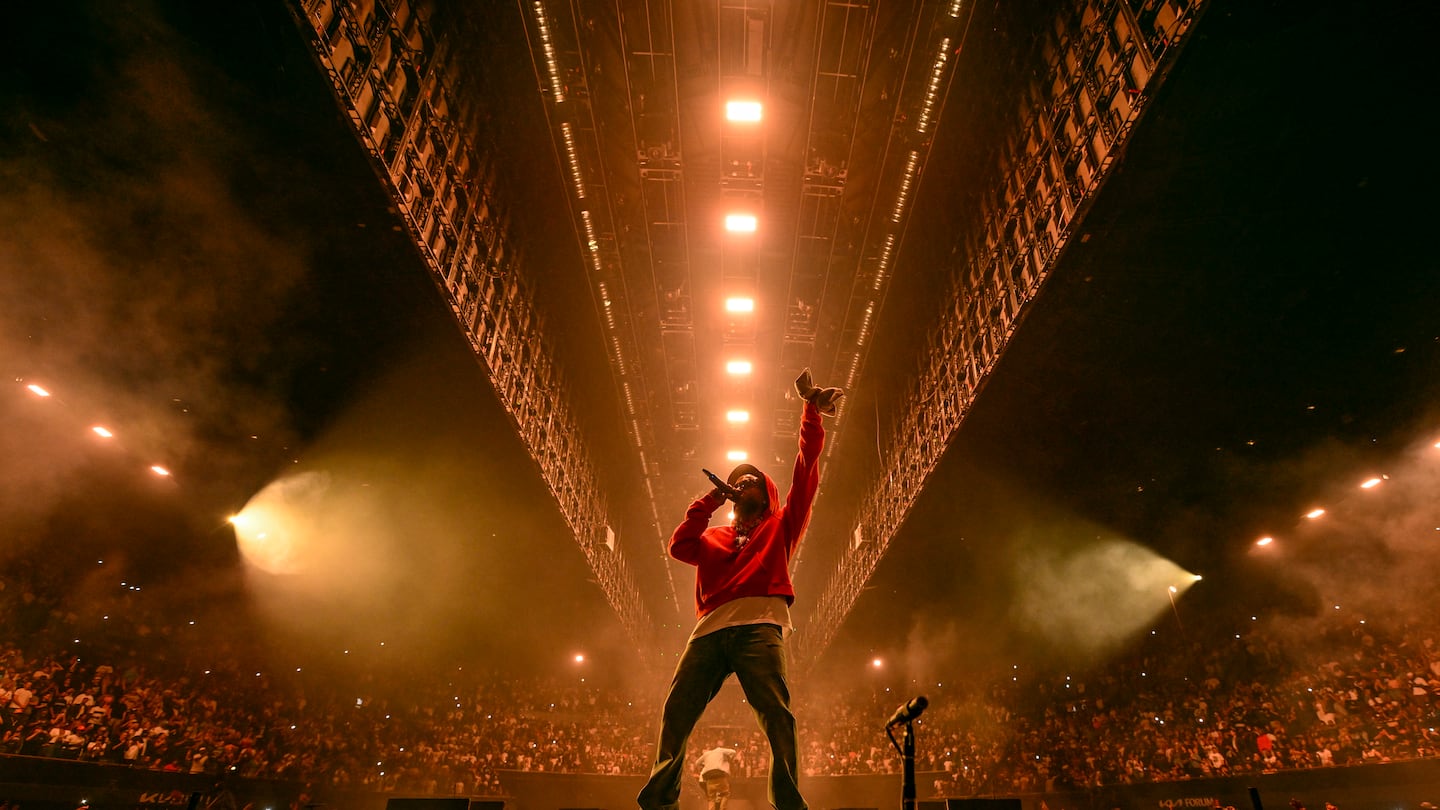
(762, 568)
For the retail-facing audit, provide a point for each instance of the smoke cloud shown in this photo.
(139, 289)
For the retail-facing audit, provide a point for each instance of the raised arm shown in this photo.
(805, 480)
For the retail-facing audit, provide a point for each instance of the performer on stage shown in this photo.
(742, 598)
(713, 767)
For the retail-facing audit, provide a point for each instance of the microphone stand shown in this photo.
(907, 759)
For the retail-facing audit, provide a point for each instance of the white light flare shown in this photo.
(102, 432)
(38, 391)
(1370, 483)
(736, 455)
(739, 304)
(1264, 541)
(1314, 513)
(747, 112)
(159, 470)
(737, 416)
(740, 223)
(739, 367)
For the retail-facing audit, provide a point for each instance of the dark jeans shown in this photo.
(756, 654)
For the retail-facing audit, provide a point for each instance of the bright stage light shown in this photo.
(158, 470)
(37, 390)
(743, 111)
(740, 223)
(736, 455)
(265, 539)
(738, 367)
(579, 658)
(1113, 589)
(737, 416)
(739, 304)
(1370, 483)
(102, 432)
(876, 663)
(1314, 513)
(1264, 541)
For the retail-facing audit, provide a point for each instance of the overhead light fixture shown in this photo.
(158, 470)
(740, 223)
(737, 416)
(739, 304)
(1314, 513)
(102, 432)
(1264, 541)
(739, 367)
(743, 111)
(736, 455)
(1371, 483)
(37, 390)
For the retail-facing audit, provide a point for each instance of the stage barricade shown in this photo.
(38, 783)
(48, 784)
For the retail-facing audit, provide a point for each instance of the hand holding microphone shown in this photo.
(723, 488)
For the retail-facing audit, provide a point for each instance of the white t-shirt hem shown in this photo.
(746, 610)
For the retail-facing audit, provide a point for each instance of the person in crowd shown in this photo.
(713, 769)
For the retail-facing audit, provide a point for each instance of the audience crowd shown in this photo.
(1171, 708)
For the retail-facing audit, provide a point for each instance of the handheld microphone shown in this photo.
(730, 492)
(908, 711)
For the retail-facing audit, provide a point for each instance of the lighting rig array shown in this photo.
(395, 76)
(1102, 66)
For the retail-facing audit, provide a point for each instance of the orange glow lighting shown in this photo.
(1314, 513)
(37, 390)
(739, 304)
(1371, 483)
(737, 416)
(1264, 541)
(158, 470)
(102, 432)
(736, 455)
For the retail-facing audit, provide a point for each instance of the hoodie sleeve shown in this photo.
(806, 478)
(686, 544)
